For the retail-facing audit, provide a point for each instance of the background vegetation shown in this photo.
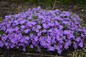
(50, 2)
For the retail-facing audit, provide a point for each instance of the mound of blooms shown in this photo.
(39, 28)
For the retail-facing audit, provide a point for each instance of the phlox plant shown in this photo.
(53, 30)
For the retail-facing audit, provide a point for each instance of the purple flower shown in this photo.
(59, 51)
(39, 7)
(1, 44)
(10, 30)
(70, 36)
(82, 35)
(37, 30)
(75, 45)
(0, 35)
(23, 21)
(56, 23)
(81, 44)
(38, 26)
(31, 46)
(45, 25)
(67, 31)
(44, 30)
(27, 38)
(78, 39)
(66, 46)
(12, 46)
(60, 27)
(27, 30)
(39, 33)
(38, 49)
(36, 38)
(51, 48)
(33, 23)
(24, 49)
(50, 24)
(22, 26)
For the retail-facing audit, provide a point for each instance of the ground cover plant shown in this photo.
(39, 29)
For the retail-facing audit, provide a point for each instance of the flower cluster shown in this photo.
(50, 29)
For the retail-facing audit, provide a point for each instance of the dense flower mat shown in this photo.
(53, 30)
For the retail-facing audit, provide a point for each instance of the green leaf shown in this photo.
(35, 17)
(81, 20)
(2, 32)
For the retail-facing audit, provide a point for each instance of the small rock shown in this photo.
(82, 10)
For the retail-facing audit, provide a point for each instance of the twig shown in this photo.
(54, 5)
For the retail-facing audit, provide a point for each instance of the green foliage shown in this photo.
(50, 2)
(82, 23)
(35, 17)
(2, 32)
(82, 2)
(16, 1)
(78, 53)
